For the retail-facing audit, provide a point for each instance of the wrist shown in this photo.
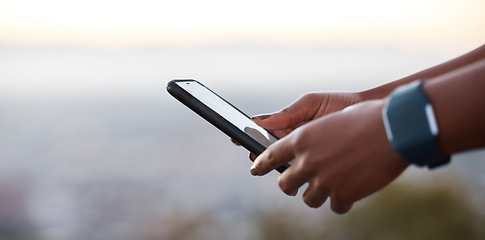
(379, 92)
(385, 90)
(458, 101)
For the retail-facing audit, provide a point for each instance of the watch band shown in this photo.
(411, 126)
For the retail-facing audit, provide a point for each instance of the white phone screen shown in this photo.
(228, 112)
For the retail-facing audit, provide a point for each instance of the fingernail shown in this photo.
(261, 116)
(254, 172)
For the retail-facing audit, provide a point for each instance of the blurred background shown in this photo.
(93, 147)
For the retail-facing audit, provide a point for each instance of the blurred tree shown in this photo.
(285, 224)
(398, 212)
(404, 212)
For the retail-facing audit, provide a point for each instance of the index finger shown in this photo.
(274, 156)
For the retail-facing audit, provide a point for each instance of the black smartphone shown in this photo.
(223, 115)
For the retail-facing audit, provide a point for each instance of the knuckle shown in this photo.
(266, 162)
(305, 169)
(285, 110)
(270, 158)
(301, 135)
(320, 186)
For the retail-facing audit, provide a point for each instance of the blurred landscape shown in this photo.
(93, 147)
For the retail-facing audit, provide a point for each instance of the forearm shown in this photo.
(458, 100)
(430, 73)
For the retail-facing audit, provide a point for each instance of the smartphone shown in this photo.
(223, 115)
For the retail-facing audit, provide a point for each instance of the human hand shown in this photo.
(345, 156)
(307, 108)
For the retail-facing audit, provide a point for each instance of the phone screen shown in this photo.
(227, 111)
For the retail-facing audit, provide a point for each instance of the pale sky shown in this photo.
(118, 23)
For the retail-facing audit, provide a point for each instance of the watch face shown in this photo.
(411, 125)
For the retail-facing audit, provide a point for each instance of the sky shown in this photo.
(121, 24)
(52, 46)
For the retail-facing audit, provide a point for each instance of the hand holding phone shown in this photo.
(223, 115)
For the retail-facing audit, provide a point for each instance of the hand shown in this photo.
(309, 107)
(345, 156)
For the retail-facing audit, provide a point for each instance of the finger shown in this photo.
(235, 143)
(252, 156)
(315, 195)
(292, 116)
(292, 179)
(274, 156)
(340, 207)
(282, 133)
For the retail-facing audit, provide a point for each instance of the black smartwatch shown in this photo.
(411, 126)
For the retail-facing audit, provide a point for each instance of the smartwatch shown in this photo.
(411, 126)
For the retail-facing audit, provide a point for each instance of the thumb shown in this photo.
(268, 120)
(291, 117)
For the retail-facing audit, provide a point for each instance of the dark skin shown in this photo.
(354, 159)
